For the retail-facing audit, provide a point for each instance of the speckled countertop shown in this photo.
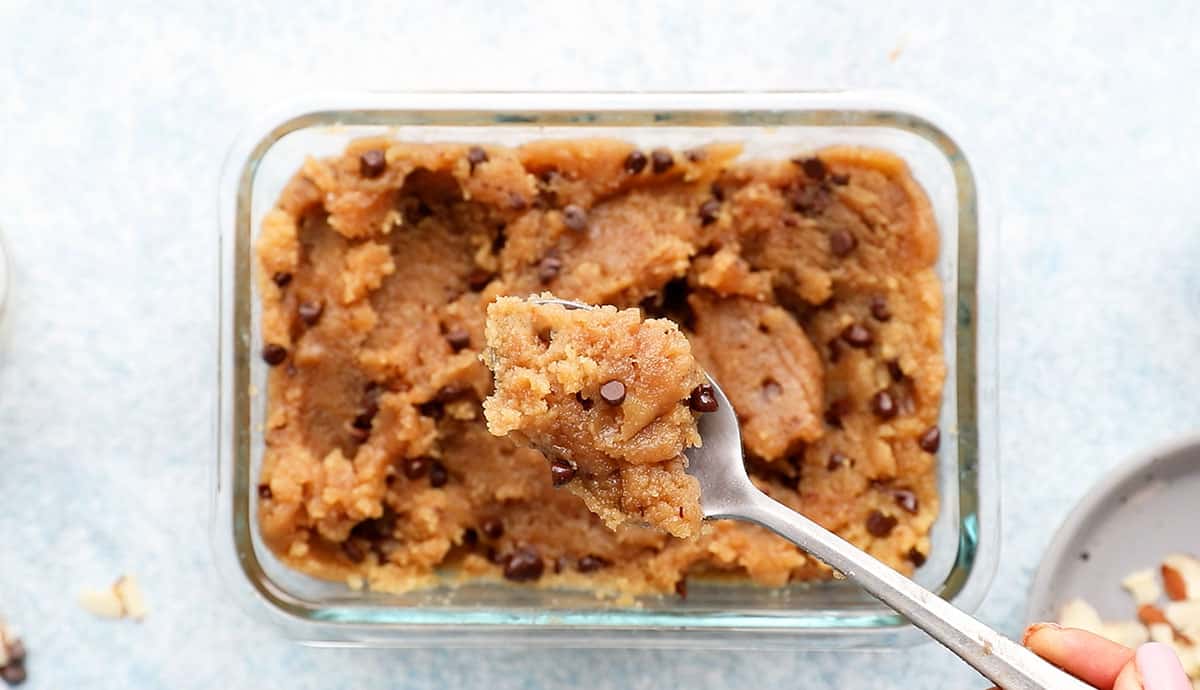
(113, 121)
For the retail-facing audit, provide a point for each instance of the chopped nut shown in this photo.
(1184, 616)
(130, 594)
(1181, 576)
(1143, 586)
(1149, 614)
(103, 603)
(1077, 613)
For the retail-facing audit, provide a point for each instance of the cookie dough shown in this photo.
(606, 397)
(806, 285)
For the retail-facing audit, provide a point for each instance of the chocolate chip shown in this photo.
(372, 163)
(523, 565)
(549, 268)
(840, 179)
(809, 199)
(612, 392)
(492, 528)
(841, 243)
(264, 491)
(703, 398)
(415, 468)
(694, 155)
(883, 405)
(475, 156)
(710, 211)
(591, 563)
(433, 409)
(635, 162)
(906, 499)
(880, 525)
(458, 338)
(931, 440)
(836, 410)
(353, 550)
(281, 279)
(857, 335)
(681, 588)
(362, 421)
(895, 371)
(879, 309)
(838, 460)
(479, 279)
(438, 476)
(813, 167)
(561, 471)
(517, 201)
(575, 218)
(310, 312)
(661, 161)
(470, 537)
(14, 673)
(274, 354)
(587, 404)
(916, 557)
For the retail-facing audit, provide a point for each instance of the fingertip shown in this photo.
(1035, 628)
(1160, 668)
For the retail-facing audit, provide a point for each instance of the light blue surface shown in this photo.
(113, 122)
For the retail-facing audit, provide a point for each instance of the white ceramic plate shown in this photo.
(1147, 508)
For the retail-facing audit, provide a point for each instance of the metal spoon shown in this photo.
(726, 492)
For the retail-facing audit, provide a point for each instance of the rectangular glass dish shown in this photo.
(715, 613)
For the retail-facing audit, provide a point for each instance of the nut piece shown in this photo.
(1077, 613)
(1142, 585)
(102, 603)
(1151, 615)
(127, 590)
(1184, 616)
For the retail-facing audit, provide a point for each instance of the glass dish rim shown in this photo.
(979, 515)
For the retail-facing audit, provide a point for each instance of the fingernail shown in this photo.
(1034, 628)
(1160, 668)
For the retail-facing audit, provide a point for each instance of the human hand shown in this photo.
(1105, 664)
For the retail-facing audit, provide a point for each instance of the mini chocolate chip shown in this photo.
(587, 404)
(612, 392)
(661, 161)
(517, 201)
(470, 537)
(561, 471)
(906, 499)
(310, 312)
(281, 279)
(883, 405)
(809, 199)
(836, 410)
(841, 243)
(492, 528)
(458, 338)
(703, 398)
(857, 335)
(274, 354)
(575, 218)
(681, 588)
(451, 392)
(475, 156)
(591, 563)
(813, 167)
(895, 371)
(635, 162)
(879, 309)
(694, 155)
(479, 279)
(438, 476)
(372, 163)
(415, 468)
(14, 673)
(549, 268)
(880, 525)
(838, 460)
(840, 179)
(916, 557)
(353, 550)
(433, 409)
(710, 211)
(264, 491)
(362, 421)
(931, 440)
(523, 565)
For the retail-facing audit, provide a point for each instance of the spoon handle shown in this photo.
(1004, 662)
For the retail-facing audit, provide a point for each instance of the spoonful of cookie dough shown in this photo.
(630, 423)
